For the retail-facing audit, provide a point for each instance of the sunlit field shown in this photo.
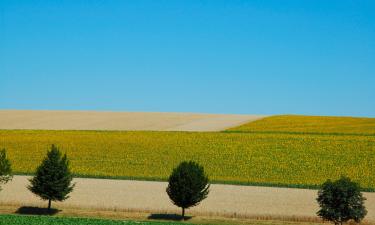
(272, 159)
(310, 125)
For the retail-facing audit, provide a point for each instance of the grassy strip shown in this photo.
(92, 219)
(276, 185)
(44, 220)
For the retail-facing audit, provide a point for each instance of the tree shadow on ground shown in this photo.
(165, 216)
(31, 210)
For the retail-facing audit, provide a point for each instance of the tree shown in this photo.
(188, 185)
(52, 180)
(5, 168)
(341, 201)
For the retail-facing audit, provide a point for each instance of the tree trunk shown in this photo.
(183, 213)
(49, 204)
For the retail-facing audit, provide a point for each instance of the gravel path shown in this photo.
(150, 196)
(95, 120)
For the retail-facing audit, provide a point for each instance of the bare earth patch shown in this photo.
(94, 120)
(148, 196)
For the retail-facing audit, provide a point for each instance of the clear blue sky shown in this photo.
(247, 57)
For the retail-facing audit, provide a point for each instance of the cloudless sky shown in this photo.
(245, 57)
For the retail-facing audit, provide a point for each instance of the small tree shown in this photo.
(5, 168)
(188, 185)
(52, 180)
(341, 201)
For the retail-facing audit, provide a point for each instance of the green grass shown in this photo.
(62, 220)
(269, 159)
(44, 220)
(48, 220)
(310, 125)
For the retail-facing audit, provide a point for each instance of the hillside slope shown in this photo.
(310, 125)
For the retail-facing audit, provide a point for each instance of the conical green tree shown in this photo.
(188, 185)
(5, 168)
(53, 178)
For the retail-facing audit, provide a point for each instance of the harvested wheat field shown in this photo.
(94, 120)
(148, 196)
